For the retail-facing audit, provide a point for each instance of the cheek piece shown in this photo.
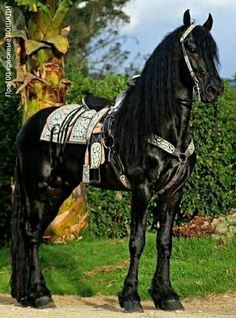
(196, 87)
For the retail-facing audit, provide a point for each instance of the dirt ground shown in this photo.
(220, 306)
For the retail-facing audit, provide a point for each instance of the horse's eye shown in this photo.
(192, 50)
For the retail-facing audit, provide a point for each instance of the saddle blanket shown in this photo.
(73, 123)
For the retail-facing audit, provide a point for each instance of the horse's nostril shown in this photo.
(211, 90)
(214, 90)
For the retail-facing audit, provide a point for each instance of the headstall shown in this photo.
(187, 60)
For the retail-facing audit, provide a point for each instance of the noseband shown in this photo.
(187, 60)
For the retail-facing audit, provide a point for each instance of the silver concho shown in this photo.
(124, 180)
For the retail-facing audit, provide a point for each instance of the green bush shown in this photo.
(109, 212)
(211, 188)
(108, 87)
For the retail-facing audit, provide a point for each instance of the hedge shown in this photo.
(210, 189)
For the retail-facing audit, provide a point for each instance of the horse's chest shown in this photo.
(168, 174)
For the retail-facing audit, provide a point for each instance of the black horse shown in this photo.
(152, 141)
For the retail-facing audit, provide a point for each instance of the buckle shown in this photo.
(182, 158)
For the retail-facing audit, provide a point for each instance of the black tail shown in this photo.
(19, 247)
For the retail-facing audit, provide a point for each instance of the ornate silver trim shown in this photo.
(162, 143)
(171, 149)
(95, 155)
(55, 121)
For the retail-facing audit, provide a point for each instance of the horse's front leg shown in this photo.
(162, 292)
(129, 298)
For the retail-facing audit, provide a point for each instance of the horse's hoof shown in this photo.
(169, 304)
(44, 302)
(130, 305)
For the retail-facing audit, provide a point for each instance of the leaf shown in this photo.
(60, 15)
(31, 4)
(59, 42)
(33, 46)
(29, 78)
(17, 35)
(65, 31)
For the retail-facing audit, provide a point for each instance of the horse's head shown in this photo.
(201, 59)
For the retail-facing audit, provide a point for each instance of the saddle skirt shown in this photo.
(73, 123)
(77, 124)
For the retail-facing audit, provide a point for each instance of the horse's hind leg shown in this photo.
(163, 295)
(32, 213)
(129, 298)
(39, 295)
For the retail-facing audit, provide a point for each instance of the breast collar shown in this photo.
(171, 149)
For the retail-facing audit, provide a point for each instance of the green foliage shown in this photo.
(89, 267)
(109, 213)
(210, 189)
(109, 86)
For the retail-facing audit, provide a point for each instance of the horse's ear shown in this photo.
(187, 18)
(209, 22)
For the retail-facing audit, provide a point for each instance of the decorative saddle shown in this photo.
(90, 124)
(87, 124)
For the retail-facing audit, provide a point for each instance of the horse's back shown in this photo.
(29, 134)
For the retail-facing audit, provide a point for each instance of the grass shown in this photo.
(88, 267)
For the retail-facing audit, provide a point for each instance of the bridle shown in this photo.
(196, 87)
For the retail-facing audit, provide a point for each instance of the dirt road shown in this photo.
(107, 307)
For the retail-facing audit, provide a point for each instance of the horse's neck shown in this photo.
(178, 126)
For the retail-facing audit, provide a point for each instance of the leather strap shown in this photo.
(172, 150)
(187, 60)
(182, 157)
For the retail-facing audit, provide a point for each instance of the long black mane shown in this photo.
(151, 103)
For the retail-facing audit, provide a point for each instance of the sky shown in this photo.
(151, 20)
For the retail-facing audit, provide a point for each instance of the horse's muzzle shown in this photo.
(212, 92)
